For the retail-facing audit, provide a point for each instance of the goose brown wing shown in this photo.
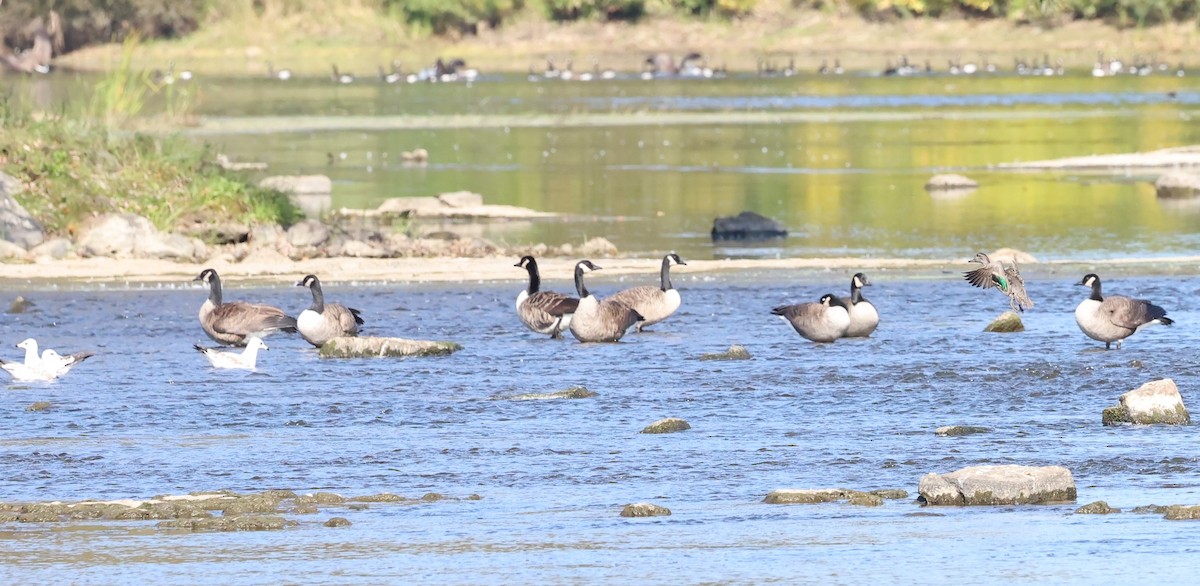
(555, 304)
(347, 319)
(619, 313)
(1130, 313)
(241, 318)
(800, 313)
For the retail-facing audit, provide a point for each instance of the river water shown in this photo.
(147, 416)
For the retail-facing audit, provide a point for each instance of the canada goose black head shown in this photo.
(831, 300)
(675, 257)
(213, 280)
(525, 260)
(535, 278)
(309, 281)
(1089, 279)
(859, 280)
(580, 268)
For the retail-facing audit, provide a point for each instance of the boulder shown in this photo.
(116, 235)
(298, 184)
(55, 248)
(1096, 508)
(950, 181)
(645, 510)
(998, 485)
(266, 235)
(170, 246)
(598, 247)
(408, 205)
(16, 225)
(337, 522)
(360, 249)
(1177, 184)
(668, 425)
(367, 347)
(8, 250)
(461, 199)
(219, 233)
(956, 430)
(571, 393)
(307, 234)
(1007, 322)
(735, 352)
(796, 496)
(240, 523)
(1154, 402)
(747, 226)
(1182, 513)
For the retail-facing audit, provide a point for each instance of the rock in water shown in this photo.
(747, 226)
(950, 181)
(1096, 508)
(1154, 402)
(668, 425)
(1177, 184)
(998, 485)
(645, 510)
(956, 430)
(735, 352)
(1008, 321)
(368, 347)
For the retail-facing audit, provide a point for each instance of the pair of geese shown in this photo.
(238, 323)
(47, 367)
(589, 318)
(1105, 319)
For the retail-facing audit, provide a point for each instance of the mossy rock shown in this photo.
(645, 510)
(1008, 322)
(735, 352)
(383, 497)
(668, 425)
(1116, 415)
(1096, 508)
(241, 523)
(891, 494)
(374, 347)
(39, 406)
(1182, 513)
(1151, 509)
(957, 430)
(793, 496)
(337, 522)
(571, 393)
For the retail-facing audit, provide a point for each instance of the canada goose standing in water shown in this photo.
(232, 323)
(822, 321)
(544, 312)
(1112, 319)
(322, 321)
(863, 317)
(596, 320)
(1003, 276)
(654, 303)
(247, 359)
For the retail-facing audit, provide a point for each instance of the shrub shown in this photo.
(462, 16)
(606, 9)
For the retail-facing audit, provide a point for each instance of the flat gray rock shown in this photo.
(645, 510)
(367, 347)
(999, 485)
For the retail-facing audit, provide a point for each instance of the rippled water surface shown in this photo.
(147, 416)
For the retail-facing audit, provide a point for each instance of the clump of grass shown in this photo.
(121, 97)
(74, 169)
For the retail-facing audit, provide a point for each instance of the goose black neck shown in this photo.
(855, 293)
(214, 289)
(580, 288)
(665, 276)
(1096, 296)
(535, 278)
(318, 304)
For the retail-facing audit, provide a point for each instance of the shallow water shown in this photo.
(147, 416)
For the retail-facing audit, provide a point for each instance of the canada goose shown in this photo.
(322, 321)
(544, 312)
(596, 320)
(392, 77)
(247, 359)
(281, 74)
(1003, 276)
(1114, 318)
(863, 317)
(654, 303)
(45, 368)
(822, 321)
(232, 323)
(339, 77)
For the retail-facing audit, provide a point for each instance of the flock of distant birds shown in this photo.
(695, 66)
(591, 319)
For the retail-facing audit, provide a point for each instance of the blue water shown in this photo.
(148, 416)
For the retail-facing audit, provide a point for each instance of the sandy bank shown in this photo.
(449, 270)
(1172, 158)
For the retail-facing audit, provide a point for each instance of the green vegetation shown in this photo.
(74, 168)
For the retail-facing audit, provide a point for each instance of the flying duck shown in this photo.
(596, 320)
(822, 321)
(654, 303)
(231, 323)
(863, 317)
(544, 312)
(247, 359)
(1003, 276)
(322, 321)
(1114, 318)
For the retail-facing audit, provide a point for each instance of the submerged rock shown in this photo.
(795, 496)
(891, 494)
(374, 347)
(243, 523)
(668, 425)
(735, 352)
(998, 485)
(645, 510)
(957, 430)
(1177, 184)
(337, 522)
(571, 393)
(1008, 322)
(1182, 513)
(950, 181)
(1096, 508)
(39, 406)
(747, 226)
(383, 497)
(1156, 402)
